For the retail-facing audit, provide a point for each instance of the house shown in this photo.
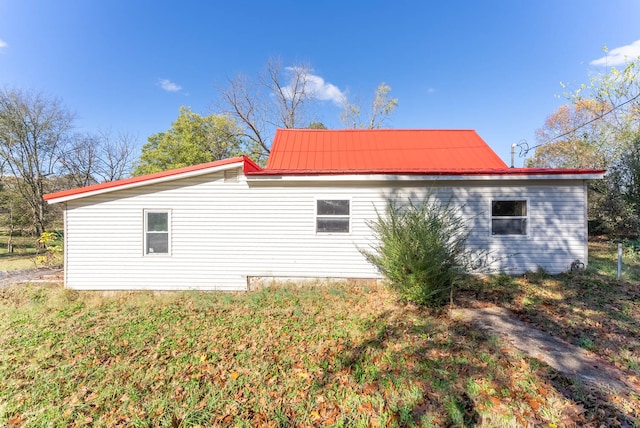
(217, 225)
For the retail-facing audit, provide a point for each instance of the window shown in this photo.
(509, 217)
(156, 232)
(332, 216)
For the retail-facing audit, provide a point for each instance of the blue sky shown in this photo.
(492, 66)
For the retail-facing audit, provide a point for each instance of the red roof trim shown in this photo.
(460, 172)
(248, 167)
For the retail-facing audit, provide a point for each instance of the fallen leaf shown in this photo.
(535, 404)
(14, 422)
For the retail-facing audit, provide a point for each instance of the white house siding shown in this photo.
(223, 232)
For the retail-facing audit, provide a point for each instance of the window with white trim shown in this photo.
(333, 215)
(509, 217)
(157, 232)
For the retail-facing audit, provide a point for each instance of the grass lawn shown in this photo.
(328, 355)
(23, 256)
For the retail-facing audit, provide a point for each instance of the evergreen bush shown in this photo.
(420, 249)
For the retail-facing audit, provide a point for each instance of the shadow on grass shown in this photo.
(22, 254)
(592, 406)
(588, 309)
(470, 372)
(437, 376)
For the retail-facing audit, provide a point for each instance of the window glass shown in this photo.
(509, 217)
(332, 216)
(157, 243)
(156, 232)
(333, 207)
(506, 226)
(333, 225)
(157, 222)
(508, 208)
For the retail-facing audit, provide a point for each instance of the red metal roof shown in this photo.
(249, 166)
(380, 150)
(347, 152)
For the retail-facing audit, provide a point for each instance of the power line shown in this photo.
(526, 151)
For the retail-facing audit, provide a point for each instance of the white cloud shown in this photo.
(3, 44)
(619, 56)
(317, 86)
(324, 90)
(169, 86)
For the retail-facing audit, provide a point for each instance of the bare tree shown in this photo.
(79, 160)
(291, 93)
(278, 98)
(381, 108)
(115, 160)
(33, 129)
(97, 158)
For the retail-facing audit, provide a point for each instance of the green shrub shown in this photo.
(420, 250)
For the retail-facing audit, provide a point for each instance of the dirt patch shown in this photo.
(8, 278)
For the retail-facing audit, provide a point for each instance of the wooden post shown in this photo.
(619, 261)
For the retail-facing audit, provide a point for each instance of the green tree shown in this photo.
(615, 201)
(15, 213)
(630, 174)
(317, 125)
(381, 108)
(192, 139)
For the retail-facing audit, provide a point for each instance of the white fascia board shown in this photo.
(394, 177)
(146, 182)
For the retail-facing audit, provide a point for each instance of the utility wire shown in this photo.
(526, 151)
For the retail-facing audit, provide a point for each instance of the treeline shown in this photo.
(40, 151)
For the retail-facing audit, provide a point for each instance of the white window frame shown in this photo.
(335, 216)
(525, 217)
(145, 215)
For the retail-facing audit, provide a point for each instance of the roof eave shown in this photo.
(510, 174)
(130, 183)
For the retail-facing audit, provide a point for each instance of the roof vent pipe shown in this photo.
(513, 153)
